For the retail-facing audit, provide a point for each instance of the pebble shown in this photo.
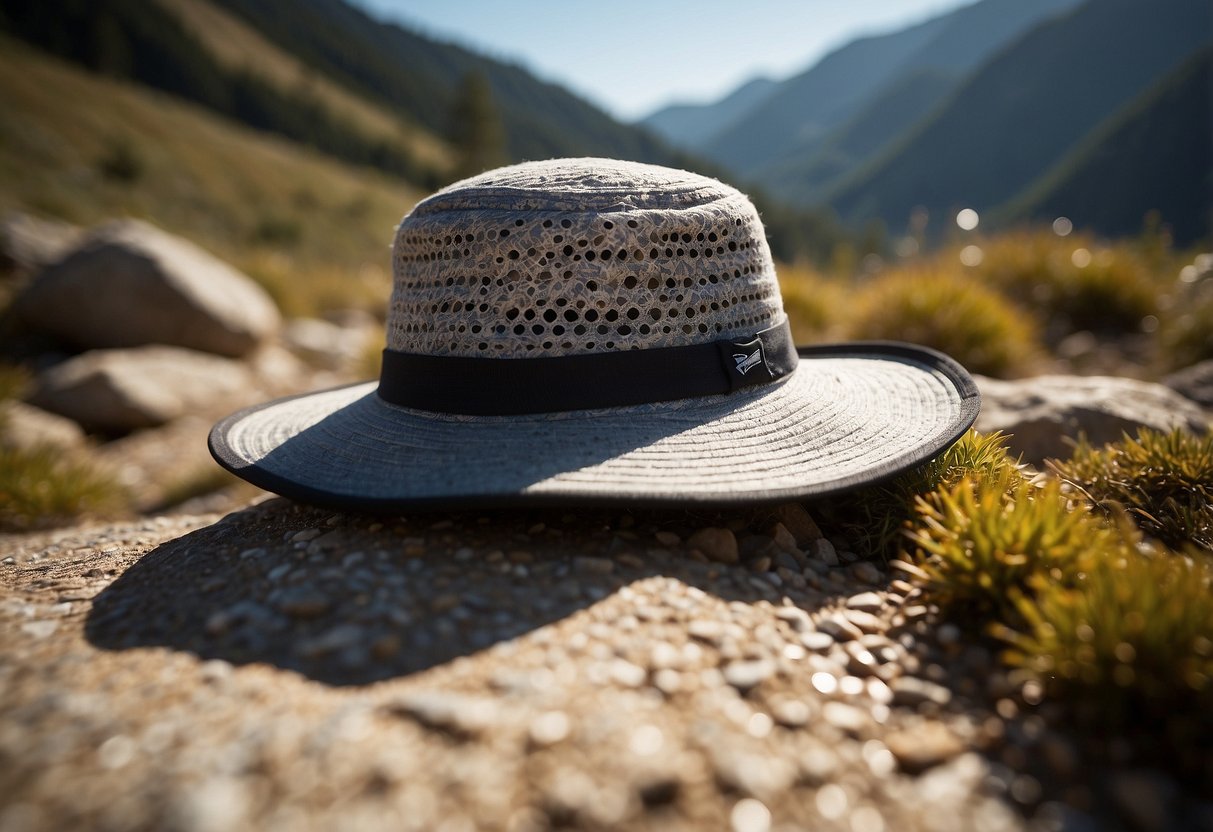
(799, 522)
(817, 640)
(706, 629)
(457, 714)
(784, 538)
(750, 815)
(717, 544)
(867, 572)
(790, 713)
(301, 602)
(845, 717)
(923, 746)
(796, 617)
(627, 674)
(865, 601)
(912, 692)
(549, 728)
(865, 621)
(823, 550)
(668, 539)
(841, 629)
(746, 675)
(304, 535)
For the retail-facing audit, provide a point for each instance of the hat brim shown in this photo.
(851, 415)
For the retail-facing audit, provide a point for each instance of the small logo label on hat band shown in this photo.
(745, 363)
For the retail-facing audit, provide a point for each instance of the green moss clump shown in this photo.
(949, 312)
(1164, 482)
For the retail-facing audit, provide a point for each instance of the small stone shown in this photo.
(845, 717)
(717, 544)
(799, 522)
(817, 641)
(305, 535)
(549, 728)
(865, 601)
(912, 692)
(40, 629)
(865, 621)
(302, 602)
(456, 714)
(839, 628)
(823, 550)
(668, 539)
(783, 538)
(706, 629)
(627, 674)
(923, 746)
(746, 675)
(867, 572)
(795, 616)
(790, 713)
(595, 566)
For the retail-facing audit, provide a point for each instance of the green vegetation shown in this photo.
(1186, 334)
(949, 312)
(144, 42)
(41, 488)
(1116, 631)
(1072, 283)
(242, 194)
(1163, 481)
(876, 517)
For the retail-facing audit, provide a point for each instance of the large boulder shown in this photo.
(1042, 413)
(116, 391)
(129, 284)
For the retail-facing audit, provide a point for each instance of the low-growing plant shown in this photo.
(985, 545)
(815, 304)
(41, 487)
(950, 312)
(1073, 282)
(1186, 335)
(301, 290)
(1163, 481)
(1128, 646)
(876, 517)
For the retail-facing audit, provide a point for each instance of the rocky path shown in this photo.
(285, 668)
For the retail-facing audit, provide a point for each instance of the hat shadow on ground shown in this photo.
(346, 599)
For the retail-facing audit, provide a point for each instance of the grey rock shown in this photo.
(457, 714)
(912, 692)
(1195, 382)
(28, 244)
(746, 675)
(326, 344)
(128, 284)
(1042, 413)
(116, 391)
(923, 746)
(24, 427)
(716, 544)
(799, 522)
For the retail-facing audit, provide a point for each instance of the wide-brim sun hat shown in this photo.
(590, 331)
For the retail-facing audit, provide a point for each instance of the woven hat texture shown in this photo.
(546, 264)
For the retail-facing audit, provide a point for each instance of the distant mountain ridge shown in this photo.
(798, 116)
(1024, 110)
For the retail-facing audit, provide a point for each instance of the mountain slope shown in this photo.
(1025, 108)
(805, 174)
(797, 118)
(1155, 155)
(223, 185)
(420, 76)
(687, 125)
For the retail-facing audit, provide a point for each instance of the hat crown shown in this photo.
(579, 256)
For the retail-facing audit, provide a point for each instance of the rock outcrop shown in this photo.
(1044, 414)
(1195, 382)
(129, 284)
(116, 391)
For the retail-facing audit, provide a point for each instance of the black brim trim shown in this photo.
(963, 418)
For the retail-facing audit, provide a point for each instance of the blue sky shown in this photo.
(633, 56)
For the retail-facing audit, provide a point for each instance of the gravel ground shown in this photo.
(285, 668)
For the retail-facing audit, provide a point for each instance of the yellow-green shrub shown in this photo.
(1109, 289)
(41, 488)
(988, 542)
(950, 312)
(1163, 481)
(815, 304)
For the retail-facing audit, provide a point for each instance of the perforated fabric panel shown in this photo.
(576, 256)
